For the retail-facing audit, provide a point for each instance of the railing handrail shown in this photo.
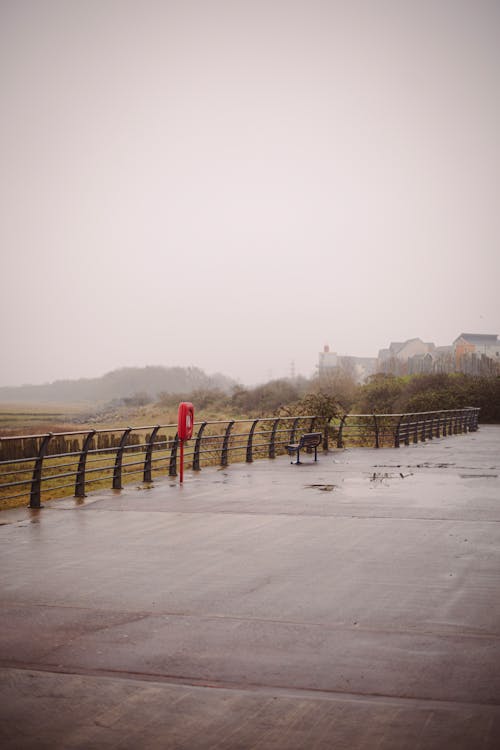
(138, 428)
(410, 413)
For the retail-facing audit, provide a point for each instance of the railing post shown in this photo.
(148, 458)
(438, 430)
(431, 427)
(36, 480)
(197, 446)
(407, 434)
(172, 466)
(375, 422)
(467, 420)
(249, 456)
(424, 427)
(397, 432)
(475, 419)
(415, 428)
(80, 472)
(272, 440)
(325, 434)
(312, 425)
(117, 471)
(340, 439)
(293, 430)
(225, 445)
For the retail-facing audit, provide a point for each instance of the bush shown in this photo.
(268, 399)
(386, 393)
(380, 395)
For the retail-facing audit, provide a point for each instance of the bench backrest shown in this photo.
(310, 439)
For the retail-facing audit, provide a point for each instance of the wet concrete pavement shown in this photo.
(349, 603)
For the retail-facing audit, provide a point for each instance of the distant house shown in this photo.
(396, 359)
(327, 360)
(385, 354)
(359, 368)
(477, 343)
(420, 364)
(444, 359)
(477, 353)
(470, 353)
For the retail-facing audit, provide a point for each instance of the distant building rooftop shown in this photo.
(480, 339)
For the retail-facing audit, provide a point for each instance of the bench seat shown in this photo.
(309, 441)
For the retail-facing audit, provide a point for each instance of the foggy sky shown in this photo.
(232, 185)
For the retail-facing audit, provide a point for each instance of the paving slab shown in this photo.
(352, 602)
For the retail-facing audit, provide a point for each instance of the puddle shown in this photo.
(425, 465)
(322, 487)
(478, 476)
(379, 477)
(428, 465)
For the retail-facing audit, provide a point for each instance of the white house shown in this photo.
(395, 359)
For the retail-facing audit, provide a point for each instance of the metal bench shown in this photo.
(308, 441)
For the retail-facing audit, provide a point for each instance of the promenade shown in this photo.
(350, 603)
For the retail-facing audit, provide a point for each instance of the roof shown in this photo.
(479, 339)
(395, 346)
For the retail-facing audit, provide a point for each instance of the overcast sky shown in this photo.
(233, 184)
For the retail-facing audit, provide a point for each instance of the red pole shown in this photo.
(181, 467)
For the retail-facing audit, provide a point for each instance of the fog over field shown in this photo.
(231, 185)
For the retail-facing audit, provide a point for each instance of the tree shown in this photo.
(321, 404)
(380, 394)
(338, 384)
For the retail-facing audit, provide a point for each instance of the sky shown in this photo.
(232, 185)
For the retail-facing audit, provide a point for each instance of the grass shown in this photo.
(25, 418)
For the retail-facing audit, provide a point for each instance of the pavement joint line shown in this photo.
(281, 690)
(208, 512)
(267, 621)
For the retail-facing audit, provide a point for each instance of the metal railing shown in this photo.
(88, 459)
(384, 430)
